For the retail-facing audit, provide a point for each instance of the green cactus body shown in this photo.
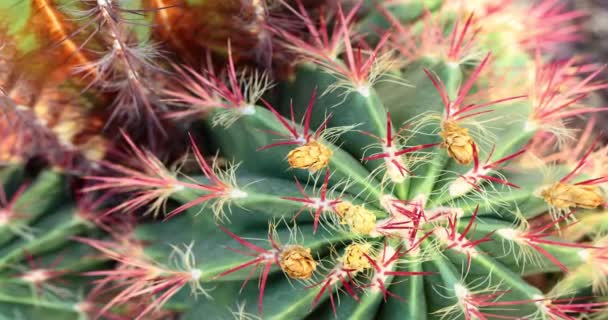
(399, 219)
(40, 263)
(385, 175)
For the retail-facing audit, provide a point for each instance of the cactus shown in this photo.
(389, 160)
(40, 264)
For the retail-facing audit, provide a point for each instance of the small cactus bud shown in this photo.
(297, 262)
(564, 196)
(360, 220)
(345, 208)
(354, 257)
(458, 142)
(312, 156)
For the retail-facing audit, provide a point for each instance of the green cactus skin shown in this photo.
(40, 261)
(369, 183)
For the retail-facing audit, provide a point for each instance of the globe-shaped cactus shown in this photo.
(382, 179)
(389, 160)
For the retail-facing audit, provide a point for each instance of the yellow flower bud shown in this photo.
(360, 220)
(297, 262)
(344, 208)
(312, 156)
(354, 257)
(564, 196)
(458, 142)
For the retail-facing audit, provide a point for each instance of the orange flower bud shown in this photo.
(312, 156)
(564, 196)
(458, 142)
(297, 262)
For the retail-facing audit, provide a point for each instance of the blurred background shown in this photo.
(595, 44)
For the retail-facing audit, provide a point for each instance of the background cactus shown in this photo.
(399, 159)
(40, 263)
